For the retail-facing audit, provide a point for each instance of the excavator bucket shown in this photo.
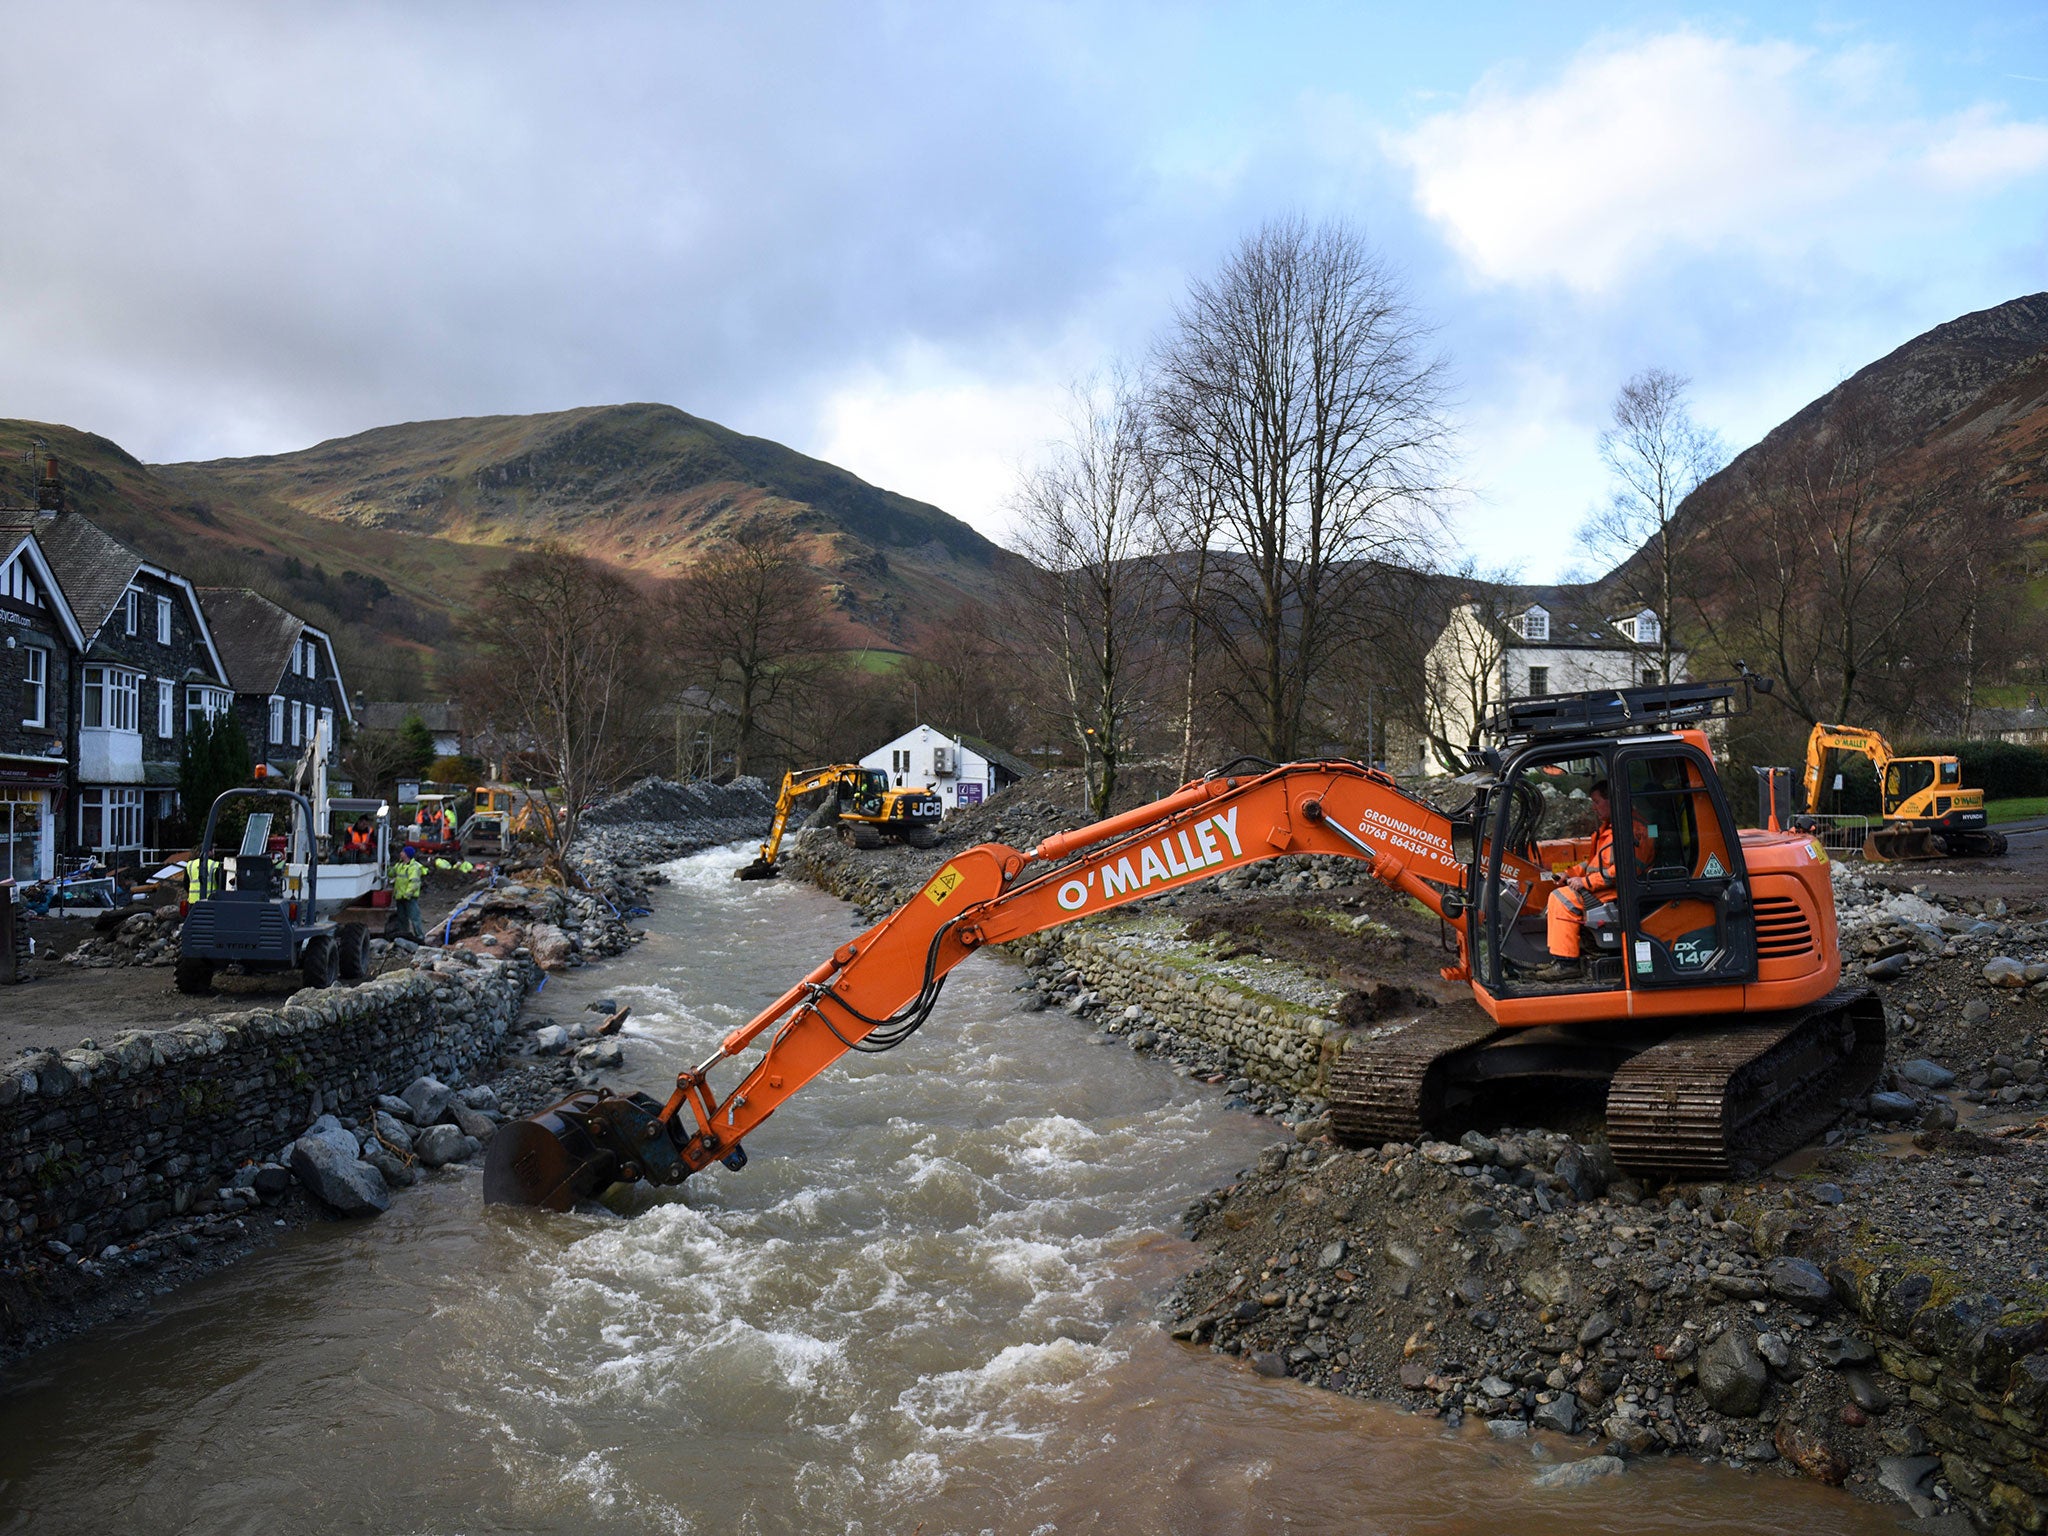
(549, 1159)
(578, 1148)
(760, 869)
(1890, 845)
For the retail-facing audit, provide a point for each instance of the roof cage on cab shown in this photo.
(1622, 711)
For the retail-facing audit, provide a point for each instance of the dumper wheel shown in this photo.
(352, 947)
(194, 975)
(318, 962)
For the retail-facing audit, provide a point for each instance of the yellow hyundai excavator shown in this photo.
(870, 813)
(1713, 1007)
(1927, 812)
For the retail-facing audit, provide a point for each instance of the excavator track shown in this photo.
(1714, 1101)
(1390, 1086)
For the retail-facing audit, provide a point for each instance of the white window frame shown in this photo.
(1644, 630)
(203, 699)
(131, 607)
(110, 813)
(1535, 625)
(277, 720)
(163, 621)
(1542, 674)
(327, 724)
(116, 692)
(296, 714)
(166, 708)
(312, 660)
(38, 687)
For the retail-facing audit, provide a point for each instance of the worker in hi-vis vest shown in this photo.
(406, 876)
(211, 871)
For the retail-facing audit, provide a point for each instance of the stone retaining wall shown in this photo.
(97, 1145)
(1277, 1042)
(1981, 1377)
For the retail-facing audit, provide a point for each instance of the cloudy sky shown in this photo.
(890, 234)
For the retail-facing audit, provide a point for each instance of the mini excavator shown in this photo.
(868, 812)
(1711, 1007)
(1927, 812)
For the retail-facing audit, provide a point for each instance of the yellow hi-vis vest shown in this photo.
(215, 879)
(405, 879)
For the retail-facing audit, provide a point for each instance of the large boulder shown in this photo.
(428, 1099)
(1732, 1374)
(549, 946)
(326, 1161)
(1801, 1283)
(439, 1144)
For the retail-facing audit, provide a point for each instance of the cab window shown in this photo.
(1951, 772)
(1902, 780)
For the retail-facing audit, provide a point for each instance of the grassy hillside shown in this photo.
(644, 487)
(387, 535)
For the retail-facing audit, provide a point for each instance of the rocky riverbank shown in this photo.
(128, 1171)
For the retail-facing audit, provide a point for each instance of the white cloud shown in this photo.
(931, 429)
(1685, 144)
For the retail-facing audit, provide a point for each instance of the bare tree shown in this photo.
(563, 677)
(1300, 385)
(1658, 456)
(964, 675)
(1188, 511)
(1086, 514)
(1852, 577)
(748, 621)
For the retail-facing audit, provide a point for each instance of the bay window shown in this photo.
(111, 702)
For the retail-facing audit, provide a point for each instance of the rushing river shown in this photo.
(924, 1307)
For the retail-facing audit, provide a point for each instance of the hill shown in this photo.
(1973, 390)
(391, 531)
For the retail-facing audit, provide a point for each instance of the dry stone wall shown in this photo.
(99, 1144)
(1276, 1041)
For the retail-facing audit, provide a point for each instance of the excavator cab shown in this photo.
(1675, 911)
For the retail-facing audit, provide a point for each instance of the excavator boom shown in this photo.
(877, 989)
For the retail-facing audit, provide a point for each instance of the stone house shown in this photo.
(281, 670)
(149, 660)
(40, 643)
(1527, 641)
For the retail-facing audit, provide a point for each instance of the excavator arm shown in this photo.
(1840, 738)
(877, 989)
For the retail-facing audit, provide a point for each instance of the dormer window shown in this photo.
(1645, 629)
(1536, 624)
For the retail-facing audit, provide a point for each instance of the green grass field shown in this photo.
(2024, 809)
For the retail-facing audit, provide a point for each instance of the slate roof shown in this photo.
(1581, 617)
(253, 635)
(1006, 761)
(92, 566)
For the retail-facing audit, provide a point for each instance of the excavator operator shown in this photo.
(1586, 886)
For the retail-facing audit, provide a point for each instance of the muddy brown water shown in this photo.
(925, 1306)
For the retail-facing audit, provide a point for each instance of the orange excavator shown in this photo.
(1710, 1005)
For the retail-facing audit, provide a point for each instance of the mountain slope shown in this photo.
(644, 487)
(1975, 388)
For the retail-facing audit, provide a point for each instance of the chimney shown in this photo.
(50, 493)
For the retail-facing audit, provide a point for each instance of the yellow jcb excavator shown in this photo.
(870, 813)
(1927, 812)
